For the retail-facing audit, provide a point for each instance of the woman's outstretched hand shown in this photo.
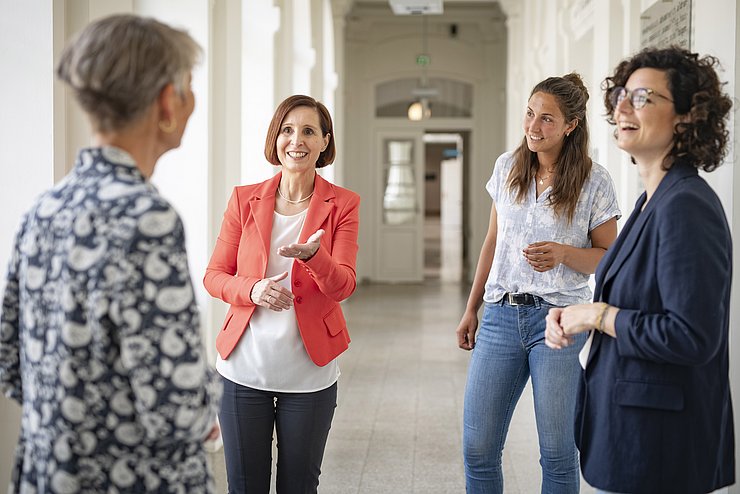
(270, 294)
(304, 252)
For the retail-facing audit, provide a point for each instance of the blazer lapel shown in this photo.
(622, 247)
(637, 221)
(625, 243)
(613, 259)
(321, 205)
(262, 207)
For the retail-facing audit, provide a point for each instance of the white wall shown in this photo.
(713, 30)
(734, 211)
(26, 146)
(261, 21)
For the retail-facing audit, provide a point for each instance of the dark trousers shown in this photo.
(302, 422)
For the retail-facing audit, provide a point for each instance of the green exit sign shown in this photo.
(423, 60)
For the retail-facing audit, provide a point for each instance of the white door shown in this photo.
(399, 243)
(451, 219)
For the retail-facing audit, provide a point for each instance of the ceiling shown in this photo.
(401, 7)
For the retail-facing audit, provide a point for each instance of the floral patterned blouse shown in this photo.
(100, 341)
(534, 220)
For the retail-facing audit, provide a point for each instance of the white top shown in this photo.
(534, 220)
(270, 355)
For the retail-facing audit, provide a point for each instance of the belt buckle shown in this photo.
(516, 299)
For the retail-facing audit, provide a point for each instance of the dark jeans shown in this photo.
(302, 422)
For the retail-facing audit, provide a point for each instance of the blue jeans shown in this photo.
(302, 422)
(509, 348)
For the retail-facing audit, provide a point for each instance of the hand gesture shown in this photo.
(272, 295)
(466, 330)
(544, 256)
(305, 251)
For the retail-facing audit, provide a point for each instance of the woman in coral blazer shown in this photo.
(284, 259)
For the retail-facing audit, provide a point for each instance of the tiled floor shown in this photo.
(397, 427)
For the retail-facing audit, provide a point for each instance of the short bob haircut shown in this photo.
(118, 66)
(696, 92)
(327, 155)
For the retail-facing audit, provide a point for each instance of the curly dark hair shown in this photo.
(696, 92)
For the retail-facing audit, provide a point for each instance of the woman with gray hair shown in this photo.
(99, 330)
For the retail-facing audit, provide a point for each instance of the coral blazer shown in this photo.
(243, 247)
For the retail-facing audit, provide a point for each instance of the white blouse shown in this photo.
(270, 355)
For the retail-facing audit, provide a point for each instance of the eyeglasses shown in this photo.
(638, 97)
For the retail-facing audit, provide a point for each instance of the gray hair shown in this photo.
(118, 65)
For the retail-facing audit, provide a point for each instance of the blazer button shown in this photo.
(298, 299)
(297, 283)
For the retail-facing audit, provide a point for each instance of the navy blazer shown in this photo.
(654, 412)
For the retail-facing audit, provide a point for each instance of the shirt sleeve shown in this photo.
(334, 272)
(500, 173)
(604, 205)
(176, 393)
(221, 280)
(10, 375)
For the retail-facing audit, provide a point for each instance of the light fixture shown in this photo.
(416, 7)
(421, 108)
(416, 111)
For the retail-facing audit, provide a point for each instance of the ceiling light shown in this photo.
(416, 111)
(416, 7)
(420, 110)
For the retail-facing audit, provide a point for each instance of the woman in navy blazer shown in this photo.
(654, 412)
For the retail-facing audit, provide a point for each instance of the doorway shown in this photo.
(443, 232)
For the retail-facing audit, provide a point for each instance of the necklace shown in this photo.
(294, 202)
(541, 179)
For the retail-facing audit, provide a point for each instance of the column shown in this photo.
(261, 21)
(27, 145)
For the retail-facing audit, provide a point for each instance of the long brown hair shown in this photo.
(573, 165)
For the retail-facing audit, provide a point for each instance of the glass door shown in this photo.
(399, 243)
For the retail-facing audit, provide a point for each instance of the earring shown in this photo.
(169, 127)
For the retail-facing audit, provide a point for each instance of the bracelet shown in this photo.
(600, 318)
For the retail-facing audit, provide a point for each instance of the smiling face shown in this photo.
(300, 140)
(647, 133)
(545, 126)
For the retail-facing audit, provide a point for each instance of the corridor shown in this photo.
(397, 427)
